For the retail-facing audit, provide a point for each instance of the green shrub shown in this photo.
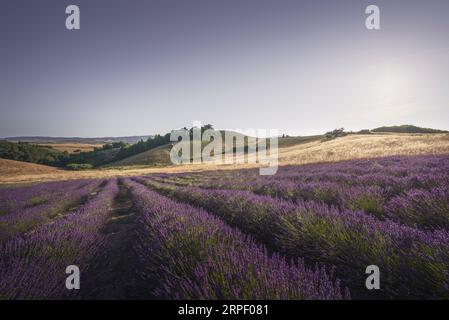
(79, 166)
(35, 201)
(335, 133)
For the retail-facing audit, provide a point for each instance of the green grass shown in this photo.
(36, 201)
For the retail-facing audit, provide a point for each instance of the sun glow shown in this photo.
(389, 84)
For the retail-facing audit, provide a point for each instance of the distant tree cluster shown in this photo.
(340, 132)
(79, 166)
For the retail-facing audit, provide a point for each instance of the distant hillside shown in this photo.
(23, 151)
(407, 129)
(51, 156)
(309, 149)
(155, 151)
(67, 140)
(353, 146)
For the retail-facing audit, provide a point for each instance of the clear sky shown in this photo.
(143, 67)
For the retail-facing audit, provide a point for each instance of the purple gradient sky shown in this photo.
(143, 67)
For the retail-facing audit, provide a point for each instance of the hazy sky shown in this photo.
(143, 67)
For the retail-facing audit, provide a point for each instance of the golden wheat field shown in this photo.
(365, 146)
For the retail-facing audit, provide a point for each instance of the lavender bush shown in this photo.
(45, 203)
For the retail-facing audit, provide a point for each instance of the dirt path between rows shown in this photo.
(115, 276)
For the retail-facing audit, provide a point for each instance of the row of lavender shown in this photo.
(186, 253)
(16, 198)
(28, 207)
(367, 171)
(408, 190)
(32, 266)
(414, 262)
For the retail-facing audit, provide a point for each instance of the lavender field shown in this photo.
(308, 232)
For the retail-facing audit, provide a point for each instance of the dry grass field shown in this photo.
(345, 148)
(28, 174)
(10, 169)
(72, 147)
(365, 146)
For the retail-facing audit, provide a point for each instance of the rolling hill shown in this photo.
(11, 168)
(159, 156)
